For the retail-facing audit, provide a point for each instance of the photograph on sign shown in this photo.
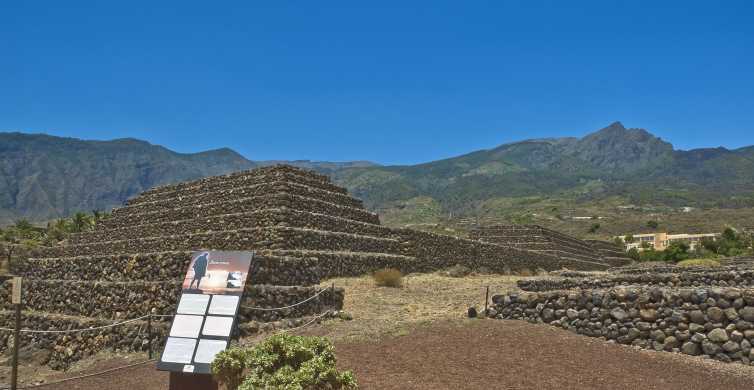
(193, 304)
(186, 326)
(217, 326)
(207, 349)
(179, 350)
(224, 305)
(217, 272)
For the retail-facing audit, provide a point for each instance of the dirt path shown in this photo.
(495, 354)
(490, 354)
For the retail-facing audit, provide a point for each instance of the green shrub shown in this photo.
(283, 362)
(699, 263)
(388, 277)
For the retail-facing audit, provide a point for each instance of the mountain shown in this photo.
(43, 177)
(614, 161)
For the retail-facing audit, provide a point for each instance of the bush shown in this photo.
(282, 362)
(457, 271)
(525, 272)
(388, 277)
(699, 263)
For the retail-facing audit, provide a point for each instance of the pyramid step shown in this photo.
(122, 217)
(257, 189)
(242, 239)
(126, 300)
(239, 179)
(236, 221)
(66, 349)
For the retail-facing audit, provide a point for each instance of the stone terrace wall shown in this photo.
(166, 266)
(446, 251)
(715, 322)
(64, 349)
(127, 300)
(246, 239)
(283, 217)
(273, 201)
(259, 189)
(686, 279)
(240, 179)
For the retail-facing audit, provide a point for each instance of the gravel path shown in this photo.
(489, 354)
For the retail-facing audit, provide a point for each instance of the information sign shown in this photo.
(207, 311)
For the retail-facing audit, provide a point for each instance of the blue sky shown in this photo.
(392, 82)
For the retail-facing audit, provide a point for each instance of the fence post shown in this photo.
(149, 335)
(16, 341)
(332, 296)
(486, 300)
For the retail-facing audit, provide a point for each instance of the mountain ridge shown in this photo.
(44, 176)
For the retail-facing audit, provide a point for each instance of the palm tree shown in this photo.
(80, 222)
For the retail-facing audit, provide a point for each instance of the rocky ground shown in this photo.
(416, 338)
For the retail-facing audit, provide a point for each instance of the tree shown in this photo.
(634, 254)
(677, 251)
(630, 238)
(653, 224)
(80, 222)
(595, 227)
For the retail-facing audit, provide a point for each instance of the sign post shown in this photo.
(205, 318)
(16, 301)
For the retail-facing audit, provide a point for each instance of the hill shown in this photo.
(614, 161)
(44, 177)
(540, 180)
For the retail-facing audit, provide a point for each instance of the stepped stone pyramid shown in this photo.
(303, 228)
(547, 241)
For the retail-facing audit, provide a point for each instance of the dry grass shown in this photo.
(388, 278)
(423, 299)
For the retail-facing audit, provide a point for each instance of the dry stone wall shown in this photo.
(61, 350)
(240, 179)
(716, 322)
(161, 213)
(260, 189)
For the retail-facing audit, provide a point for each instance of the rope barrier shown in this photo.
(315, 319)
(77, 330)
(285, 307)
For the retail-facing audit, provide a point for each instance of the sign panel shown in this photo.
(207, 310)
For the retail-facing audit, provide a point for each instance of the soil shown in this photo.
(487, 354)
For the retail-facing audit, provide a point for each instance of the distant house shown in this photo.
(660, 241)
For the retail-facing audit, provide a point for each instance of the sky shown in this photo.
(395, 82)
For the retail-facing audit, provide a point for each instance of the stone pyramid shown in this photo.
(546, 241)
(302, 227)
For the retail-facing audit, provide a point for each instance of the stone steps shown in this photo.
(239, 205)
(277, 267)
(257, 189)
(65, 349)
(127, 300)
(560, 253)
(575, 244)
(239, 179)
(236, 221)
(242, 239)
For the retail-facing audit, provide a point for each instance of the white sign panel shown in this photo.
(193, 304)
(217, 326)
(207, 350)
(186, 326)
(224, 305)
(179, 350)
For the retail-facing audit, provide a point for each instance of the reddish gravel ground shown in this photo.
(492, 354)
